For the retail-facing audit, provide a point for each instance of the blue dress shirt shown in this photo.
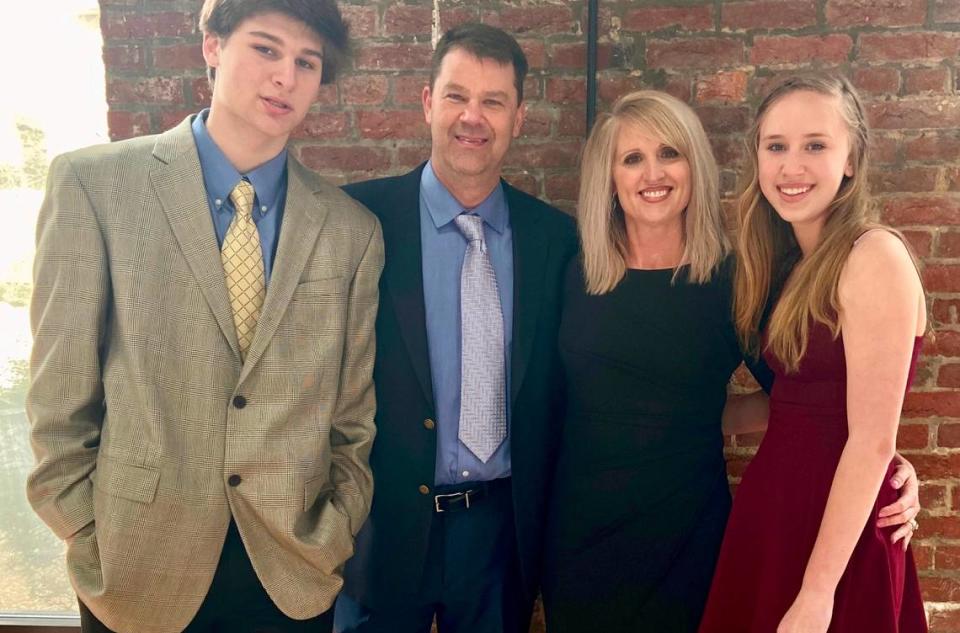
(443, 249)
(269, 182)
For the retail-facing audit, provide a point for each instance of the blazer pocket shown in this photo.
(136, 483)
(331, 286)
(314, 489)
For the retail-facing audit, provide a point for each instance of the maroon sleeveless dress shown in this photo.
(780, 502)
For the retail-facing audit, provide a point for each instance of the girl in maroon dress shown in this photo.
(802, 552)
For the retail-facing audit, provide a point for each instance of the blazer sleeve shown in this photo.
(68, 315)
(352, 430)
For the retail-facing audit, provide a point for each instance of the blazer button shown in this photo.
(234, 480)
(239, 402)
(424, 490)
(429, 424)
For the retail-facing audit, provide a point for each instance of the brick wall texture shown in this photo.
(719, 56)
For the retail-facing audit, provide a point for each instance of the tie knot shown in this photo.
(471, 225)
(242, 197)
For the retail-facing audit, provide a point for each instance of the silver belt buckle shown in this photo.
(437, 498)
(465, 494)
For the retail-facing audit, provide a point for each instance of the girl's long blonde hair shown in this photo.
(765, 241)
(599, 216)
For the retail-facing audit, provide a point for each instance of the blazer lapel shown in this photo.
(178, 184)
(530, 250)
(303, 217)
(403, 274)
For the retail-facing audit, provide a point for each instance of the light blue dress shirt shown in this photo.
(443, 249)
(269, 181)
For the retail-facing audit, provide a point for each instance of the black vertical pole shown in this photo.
(591, 63)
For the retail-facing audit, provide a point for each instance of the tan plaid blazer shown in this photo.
(136, 376)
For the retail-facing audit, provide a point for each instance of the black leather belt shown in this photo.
(465, 499)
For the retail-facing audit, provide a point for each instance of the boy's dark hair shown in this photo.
(222, 17)
(483, 42)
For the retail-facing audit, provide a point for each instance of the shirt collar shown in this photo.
(220, 176)
(443, 207)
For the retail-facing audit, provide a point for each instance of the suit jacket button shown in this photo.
(429, 424)
(234, 480)
(239, 402)
(424, 490)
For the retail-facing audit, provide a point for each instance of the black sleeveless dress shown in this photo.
(640, 498)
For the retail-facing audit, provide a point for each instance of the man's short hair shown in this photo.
(222, 17)
(483, 42)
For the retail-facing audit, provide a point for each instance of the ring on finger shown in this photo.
(914, 525)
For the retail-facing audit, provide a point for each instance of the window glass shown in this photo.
(55, 102)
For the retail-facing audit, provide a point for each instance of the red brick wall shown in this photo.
(719, 56)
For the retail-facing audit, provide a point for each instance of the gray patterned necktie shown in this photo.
(483, 417)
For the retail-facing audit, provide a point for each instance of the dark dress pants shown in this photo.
(235, 603)
(471, 578)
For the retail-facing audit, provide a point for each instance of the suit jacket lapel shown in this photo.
(178, 184)
(403, 274)
(530, 250)
(303, 217)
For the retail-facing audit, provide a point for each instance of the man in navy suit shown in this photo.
(456, 532)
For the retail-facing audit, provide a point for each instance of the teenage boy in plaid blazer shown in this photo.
(208, 470)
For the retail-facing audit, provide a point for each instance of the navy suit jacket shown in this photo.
(391, 548)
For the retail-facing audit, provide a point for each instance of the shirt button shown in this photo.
(424, 490)
(465, 473)
(429, 424)
(234, 480)
(239, 402)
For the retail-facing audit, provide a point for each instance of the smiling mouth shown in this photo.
(794, 190)
(472, 141)
(655, 194)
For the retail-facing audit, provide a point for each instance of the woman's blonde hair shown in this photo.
(599, 215)
(765, 241)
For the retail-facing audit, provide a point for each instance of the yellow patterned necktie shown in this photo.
(243, 266)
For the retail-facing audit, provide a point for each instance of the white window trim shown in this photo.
(39, 619)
